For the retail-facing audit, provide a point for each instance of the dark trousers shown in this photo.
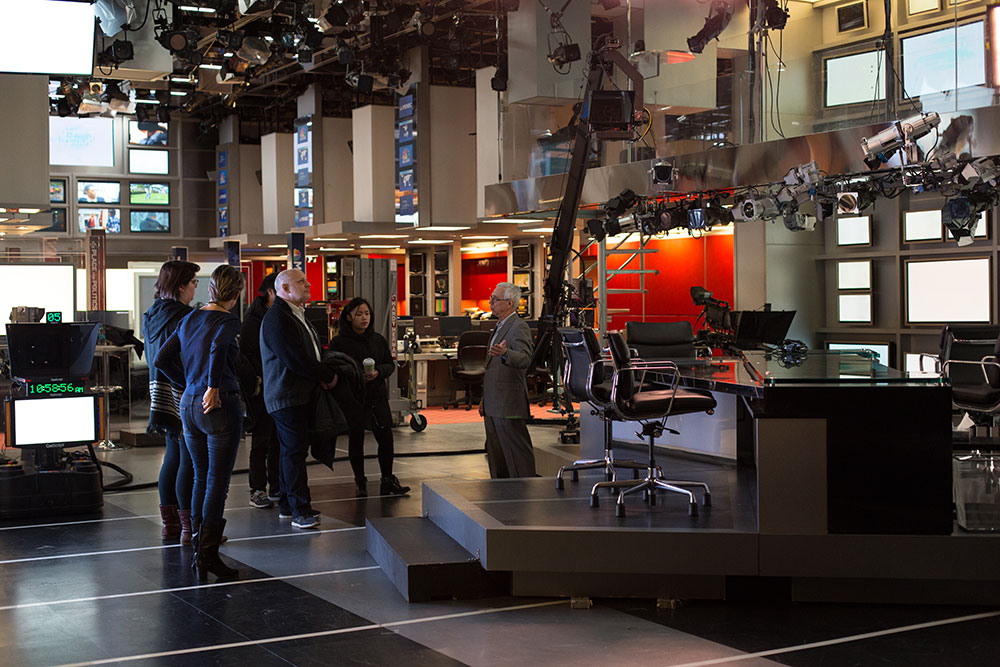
(212, 441)
(292, 425)
(508, 448)
(176, 474)
(265, 454)
(356, 450)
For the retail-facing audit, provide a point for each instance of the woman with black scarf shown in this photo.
(359, 340)
(173, 292)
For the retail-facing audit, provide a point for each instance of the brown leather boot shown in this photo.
(185, 521)
(171, 522)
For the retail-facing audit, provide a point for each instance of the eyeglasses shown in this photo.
(494, 299)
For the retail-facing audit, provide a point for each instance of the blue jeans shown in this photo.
(212, 440)
(292, 425)
(176, 474)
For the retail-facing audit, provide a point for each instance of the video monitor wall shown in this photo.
(149, 221)
(108, 219)
(98, 192)
(148, 133)
(81, 142)
(153, 194)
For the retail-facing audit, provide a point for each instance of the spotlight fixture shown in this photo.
(719, 16)
(775, 16)
(120, 51)
(345, 55)
(880, 148)
(564, 54)
(363, 83)
(499, 80)
(254, 50)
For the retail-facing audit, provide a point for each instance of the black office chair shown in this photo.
(470, 367)
(969, 359)
(652, 408)
(584, 380)
(661, 340)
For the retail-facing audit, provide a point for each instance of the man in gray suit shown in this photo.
(505, 390)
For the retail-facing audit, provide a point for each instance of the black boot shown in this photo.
(207, 559)
(360, 487)
(392, 487)
(195, 541)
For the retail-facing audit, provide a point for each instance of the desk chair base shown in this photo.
(653, 481)
(608, 464)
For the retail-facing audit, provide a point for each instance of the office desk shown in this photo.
(433, 379)
(841, 444)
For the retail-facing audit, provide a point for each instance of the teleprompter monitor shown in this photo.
(63, 421)
(755, 327)
(51, 351)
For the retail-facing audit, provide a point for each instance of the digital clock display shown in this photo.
(52, 388)
(53, 317)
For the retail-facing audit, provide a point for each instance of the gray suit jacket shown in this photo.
(505, 387)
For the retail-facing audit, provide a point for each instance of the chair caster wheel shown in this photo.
(620, 510)
(559, 483)
(706, 500)
(574, 476)
(595, 501)
(693, 509)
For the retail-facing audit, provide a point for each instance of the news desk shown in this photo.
(841, 444)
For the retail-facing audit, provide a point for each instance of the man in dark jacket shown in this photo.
(264, 450)
(293, 375)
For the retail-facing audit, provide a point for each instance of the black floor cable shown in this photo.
(124, 484)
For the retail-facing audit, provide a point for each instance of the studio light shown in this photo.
(254, 50)
(880, 148)
(719, 16)
(564, 54)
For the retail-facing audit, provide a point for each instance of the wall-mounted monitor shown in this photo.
(98, 192)
(148, 133)
(854, 275)
(943, 60)
(47, 37)
(881, 349)
(922, 226)
(148, 161)
(81, 142)
(441, 261)
(854, 230)
(153, 194)
(948, 290)
(854, 79)
(854, 308)
(149, 221)
(108, 219)
(58, 221)
(522, 279)
(303, 197)
(417, 262)
(416, 284)
(521, 256)
(57, 190)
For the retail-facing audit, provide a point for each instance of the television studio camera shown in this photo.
(730, 331)
(51, 408)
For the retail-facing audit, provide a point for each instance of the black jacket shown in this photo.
(250, 333)
(367, 344)
(158, 323)
(292, 374)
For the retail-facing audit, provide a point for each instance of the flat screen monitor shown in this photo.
(149, 221)
(148, 133)
(427, 327)
(40, 351)
(98, 192)
(108, 219)
(854, 230)
(303, 197)
(81, 142)
(148, 161)
(754, 327)
(47, 37)
(57, 191)
(417, 284)
(441, 262)
(417, 262)
(854, 79)
(149, 194)
(944, 60)
(58, 221)
(33, 424)
(522, 279)
(880, 349)
(453, 327)
(854, 275)
(52, 288)
(441, 284)
(521, 255)
(317, 317)
(948, 291)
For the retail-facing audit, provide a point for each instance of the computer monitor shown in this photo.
(427, 327)
(53, 421)
(453, 327)
(47, 352)
(754, 327)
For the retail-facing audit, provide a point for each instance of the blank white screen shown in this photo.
(47, 37)
(855, 307)
(142, 161)
(853, 230)
(48, 287)
(120, 292)
(856, 78)
(81, 142)
(955, 290)
(921, 225)
(854, 275)
(880, 349)
(42, 421)
(929, 59)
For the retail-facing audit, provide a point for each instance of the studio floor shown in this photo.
(104, 589)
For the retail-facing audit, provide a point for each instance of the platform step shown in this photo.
(424, 563)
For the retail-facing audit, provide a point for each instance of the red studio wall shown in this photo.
(480, 277)
(682, 263)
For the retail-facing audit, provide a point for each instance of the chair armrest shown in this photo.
(983, 363)
(934, 357)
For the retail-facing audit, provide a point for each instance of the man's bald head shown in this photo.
(292, 286)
